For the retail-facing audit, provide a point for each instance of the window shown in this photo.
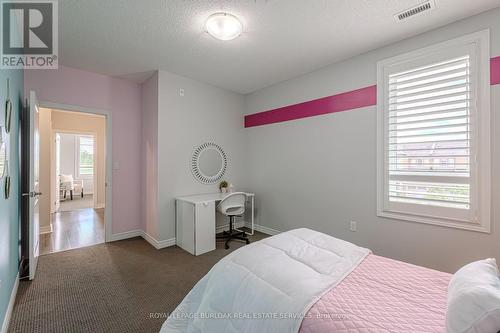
(85, 156)
(433, 138)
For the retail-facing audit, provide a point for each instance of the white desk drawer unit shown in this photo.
(196, 221)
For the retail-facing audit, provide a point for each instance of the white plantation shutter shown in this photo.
(430, 134)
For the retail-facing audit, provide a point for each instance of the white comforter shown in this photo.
(267, 286)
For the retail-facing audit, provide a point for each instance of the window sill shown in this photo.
(484, 228)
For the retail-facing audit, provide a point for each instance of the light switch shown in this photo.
(116, 165)
(353, 226)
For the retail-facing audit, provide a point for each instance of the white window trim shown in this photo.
(481, 41)
(78, 176)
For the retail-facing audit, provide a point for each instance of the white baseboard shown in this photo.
(10, 307)
(100, 206)
(221, 228)
(147, 237)
(46, 230)
(156, 243)
(264, 230)
(125, 235)
(171, 242)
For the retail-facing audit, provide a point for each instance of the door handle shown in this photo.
(32, 194)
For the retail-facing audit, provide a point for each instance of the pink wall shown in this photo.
(495, 70)
(123, 100)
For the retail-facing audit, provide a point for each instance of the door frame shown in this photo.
(108, 216)
(55, 189)
(34, 185)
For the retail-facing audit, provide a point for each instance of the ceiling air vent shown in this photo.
(423, 7)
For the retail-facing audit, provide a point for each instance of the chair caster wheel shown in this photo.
(248, 241)
(226, 246)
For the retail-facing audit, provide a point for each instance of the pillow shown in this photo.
(474, 299)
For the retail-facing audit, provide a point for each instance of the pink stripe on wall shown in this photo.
(345, 101)
(336, 103)
(495, 70)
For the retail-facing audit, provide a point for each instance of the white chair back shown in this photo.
(66, 178)
(233, 204)
(66, 182)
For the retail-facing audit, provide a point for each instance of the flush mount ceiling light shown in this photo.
(223, 26)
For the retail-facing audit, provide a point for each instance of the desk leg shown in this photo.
(253, 214)
(253, 220)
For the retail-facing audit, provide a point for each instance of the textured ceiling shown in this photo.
(281, 38)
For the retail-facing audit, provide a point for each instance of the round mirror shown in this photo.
(209, 163)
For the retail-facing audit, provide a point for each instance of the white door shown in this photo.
(34, 223)
(58, 171)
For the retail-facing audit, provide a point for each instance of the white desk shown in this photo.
(195, 221)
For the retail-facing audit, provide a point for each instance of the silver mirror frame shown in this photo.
(7, 187)
(6, 177)
(8, 115)
(8, 110)
(195, 164)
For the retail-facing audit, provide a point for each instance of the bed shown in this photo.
(382, 295)
(308, 282)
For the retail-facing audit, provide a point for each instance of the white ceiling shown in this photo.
(281, 38)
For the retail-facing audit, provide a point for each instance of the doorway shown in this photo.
(33, 128)
(75, 177)
(72, 173)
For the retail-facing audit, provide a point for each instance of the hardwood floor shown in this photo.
(74, 229)
(77, 203)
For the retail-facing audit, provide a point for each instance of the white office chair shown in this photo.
(233, 205)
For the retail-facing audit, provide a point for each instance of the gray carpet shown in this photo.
(125, 286)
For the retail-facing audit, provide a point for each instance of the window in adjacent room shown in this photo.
(434, 134)
(85, 156)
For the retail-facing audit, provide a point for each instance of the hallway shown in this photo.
(78, 203)
(73, 229)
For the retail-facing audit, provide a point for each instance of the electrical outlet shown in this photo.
(353, 226)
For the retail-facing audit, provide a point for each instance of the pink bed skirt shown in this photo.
(382, 295)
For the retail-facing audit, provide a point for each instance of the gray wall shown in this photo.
(205, 113)
(320, 172)
(67, 154)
